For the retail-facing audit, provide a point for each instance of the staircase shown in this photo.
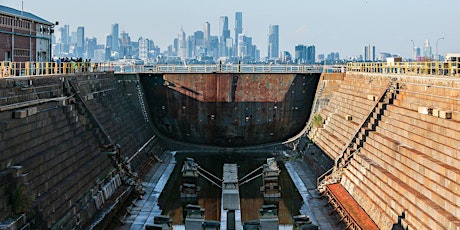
(141, 101)
(357, 141)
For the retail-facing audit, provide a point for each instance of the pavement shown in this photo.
(143, 211)
(313, 205)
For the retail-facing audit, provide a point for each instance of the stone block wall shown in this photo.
(407, 172)
(347, 108)
(50, 157)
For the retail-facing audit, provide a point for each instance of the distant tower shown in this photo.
(91, 46)
(207, 34)
(143, 48)
(273, 42)
(369, 53)
(108, 40)
(242, 49)
(300, 54)
(115, 39)
(238, 28)
(224, 34)
(427, 52)
(64, 35)
(80, 41)
(64, 38)
(417, 52)
(182, 45)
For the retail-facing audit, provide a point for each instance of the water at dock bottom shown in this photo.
(209, 198)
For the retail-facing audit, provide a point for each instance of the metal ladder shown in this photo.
(141, 101)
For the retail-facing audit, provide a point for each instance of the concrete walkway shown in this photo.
(305, 180)
(146, 209)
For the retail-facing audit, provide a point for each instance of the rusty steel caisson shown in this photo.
(229, 109)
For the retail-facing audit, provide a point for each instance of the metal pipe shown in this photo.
(215, 177)
(247, 175)
(249, 180)
(214, 183)
(141, 148)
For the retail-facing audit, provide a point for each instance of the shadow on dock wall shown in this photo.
(229, 109)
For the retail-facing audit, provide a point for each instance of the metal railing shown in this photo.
(437, 68)
(211, 68)
(13, 69)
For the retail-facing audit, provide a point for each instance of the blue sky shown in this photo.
(343, 26)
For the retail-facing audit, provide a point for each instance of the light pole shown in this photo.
(437, 56)
(413, 50)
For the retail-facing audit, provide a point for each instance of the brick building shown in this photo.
(24, 36)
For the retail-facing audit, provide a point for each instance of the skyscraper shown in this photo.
(369, 53)
(224, 34)
(115, 42)
(91, 46)
(182, 45)
(304, 54)
(273, 42)
(427, 51)
(125, 44)
(80, 41)
(64, 35)
(108, 40)
(143, 48)
(238, 28)
(207, 34)
(242, 49)
(64, 38)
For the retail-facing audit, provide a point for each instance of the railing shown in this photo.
(13, 69)
(437, 68)
(213, 68)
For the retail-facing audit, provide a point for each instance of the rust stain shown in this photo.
(354, 209)
(230, 109)
(220, 87)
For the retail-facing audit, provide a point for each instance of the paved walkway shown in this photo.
(305, 180)
(146, 209)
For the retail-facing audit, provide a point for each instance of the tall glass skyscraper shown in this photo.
(115, 41)
(224, 34)
(80, 41)
(207, 34)
(223, 28)
(273, 42)
(238, 27)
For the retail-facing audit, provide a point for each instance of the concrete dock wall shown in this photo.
(407, 171)
(51, 165)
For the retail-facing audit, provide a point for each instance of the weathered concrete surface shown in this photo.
(50, 160)
(229, 109)
(313, 205)
(407, 172)
(143, 211)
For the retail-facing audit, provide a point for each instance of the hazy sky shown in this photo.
(343, 26)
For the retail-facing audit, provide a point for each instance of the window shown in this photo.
(21, 53)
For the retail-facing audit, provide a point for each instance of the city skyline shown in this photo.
(332, 27)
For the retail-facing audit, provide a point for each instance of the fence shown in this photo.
(11, 69)
(408, 68)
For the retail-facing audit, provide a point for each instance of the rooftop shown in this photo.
(23, 14)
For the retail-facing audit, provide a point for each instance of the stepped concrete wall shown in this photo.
(51, 167)
(407, 172)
